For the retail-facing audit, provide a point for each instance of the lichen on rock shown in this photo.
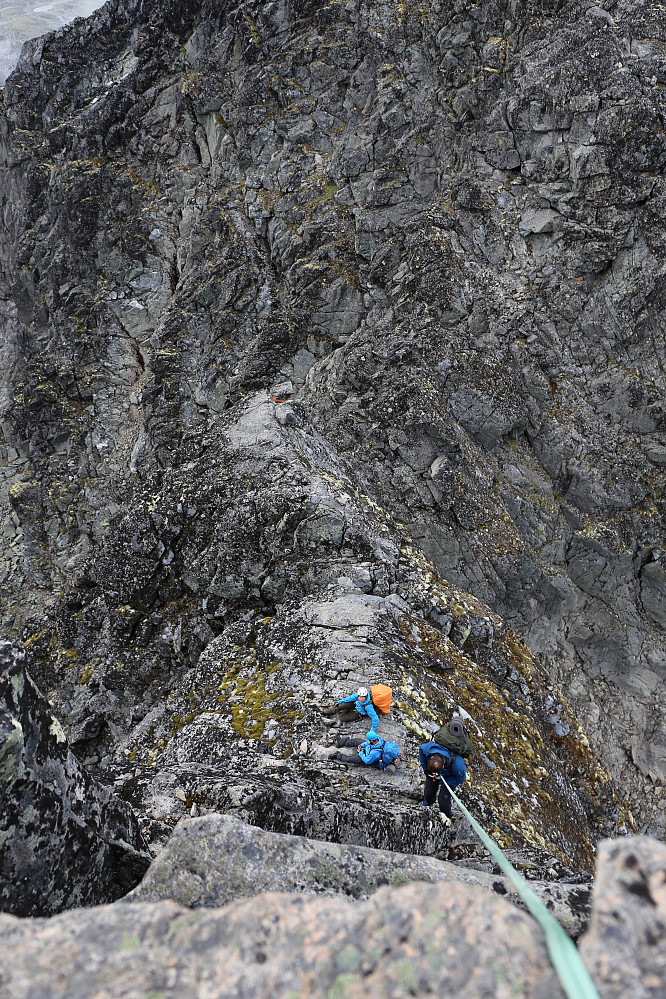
(65, 840)
(334, 353)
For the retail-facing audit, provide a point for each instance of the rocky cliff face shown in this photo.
(65, 840)
(333, 352)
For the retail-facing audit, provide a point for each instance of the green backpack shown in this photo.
(454, 738)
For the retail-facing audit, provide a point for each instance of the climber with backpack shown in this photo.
(373, 751)
(454, 737)
(444, 765)
(362, 703)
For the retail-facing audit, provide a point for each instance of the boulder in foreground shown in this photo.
(419, 939)
(215, 859)
(625, 946)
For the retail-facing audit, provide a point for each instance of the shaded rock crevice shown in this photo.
(65, 841)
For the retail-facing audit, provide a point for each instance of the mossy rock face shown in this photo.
(332, 353)
(256, 693)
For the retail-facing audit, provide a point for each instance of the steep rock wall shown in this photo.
(65, 840)
(439, 229)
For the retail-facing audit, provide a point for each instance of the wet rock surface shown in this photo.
(65, 840)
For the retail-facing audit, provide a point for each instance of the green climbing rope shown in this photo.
(564, 956)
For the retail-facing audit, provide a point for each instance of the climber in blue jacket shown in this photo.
(441, 771)
(359, 703)
(369, 753)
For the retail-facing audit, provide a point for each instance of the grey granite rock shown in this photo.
(624, 945)
(65, 840)
(444, 227)
(216, 859)
(448, 939)
(653, 592)
(229, 733)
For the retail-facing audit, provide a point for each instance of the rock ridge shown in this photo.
(334, 352)
(418, 938)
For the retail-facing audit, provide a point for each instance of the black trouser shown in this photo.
(345, 712)
(444, 797)
(349, 758)
(348, 742)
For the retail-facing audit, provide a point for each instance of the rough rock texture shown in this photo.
(216, 859)
(416, 940)
(65, 840)
(317, 319)
(252, 697)
(419, 939)
(626, 942)
(228, 732)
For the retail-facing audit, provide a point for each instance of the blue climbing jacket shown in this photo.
(458, 772)
(372, 754)
(364, 708)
